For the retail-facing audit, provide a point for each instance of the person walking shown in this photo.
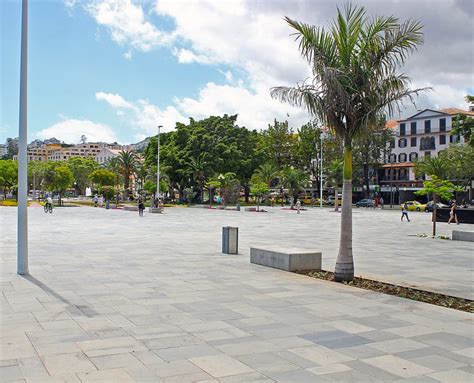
(298, 206)
(101, 200)
(381, 202)
(453, 214)
(96, 200)
(405, 212)
(141, 206)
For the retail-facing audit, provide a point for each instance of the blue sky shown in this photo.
(114, 69)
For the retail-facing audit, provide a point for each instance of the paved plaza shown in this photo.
(113, 297)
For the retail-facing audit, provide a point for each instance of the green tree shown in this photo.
(259, 189)
(370, 149)
(200, 168)
(438, 188)
(334, 179)
(354, 65)
(294, 180)
(58, 178)
(278, 144)
(463, 124)
(8, 175)
(81, 168)
(267, 173)
(128, 161)
(36, 172)
(211, 186)
(102, 177)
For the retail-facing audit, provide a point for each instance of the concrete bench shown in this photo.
(463, 236)
(130, 208)
(158, 210)
(287, 259)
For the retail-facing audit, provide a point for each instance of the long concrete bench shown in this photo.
(130, 208)
(286, 259)
(463, 236)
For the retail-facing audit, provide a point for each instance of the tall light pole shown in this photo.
(158, 167)
(321, 172)
(22, 228)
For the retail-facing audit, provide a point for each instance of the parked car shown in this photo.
(365, 203)
(439, 205)
(414, 206)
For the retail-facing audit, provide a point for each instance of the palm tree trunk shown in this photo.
(336, 199)
(344, 270)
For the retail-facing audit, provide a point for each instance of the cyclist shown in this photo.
(49, 202)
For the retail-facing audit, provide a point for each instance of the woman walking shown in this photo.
(453, 214)
(141, 206)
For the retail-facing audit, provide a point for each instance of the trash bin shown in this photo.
(230, 240)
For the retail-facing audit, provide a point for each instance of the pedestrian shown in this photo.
(141, 206)
(376, 202)
(101, 200)
(453, 214)
(405, 212)
(381, 202)
(96, 199)
(298, 206)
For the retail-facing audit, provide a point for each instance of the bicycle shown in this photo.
(48, 208)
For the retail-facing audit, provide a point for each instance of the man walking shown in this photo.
(405, 212)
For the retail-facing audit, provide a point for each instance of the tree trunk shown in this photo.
(336, 199)
(433, 218)
(246, 193)
(344, 270)
(366, 180)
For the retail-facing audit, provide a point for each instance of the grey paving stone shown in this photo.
(143, 308)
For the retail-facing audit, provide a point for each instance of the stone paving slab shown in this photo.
(115, 298)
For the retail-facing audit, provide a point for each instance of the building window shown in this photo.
(413, 156)
(413, 127)
(392, 158)
(392, 143)
(428, 126)
(402, 157)
(442, 139)
(442, 124)
(413, 142)
(402, 129)
(427, 154)
(402, 143)
(427, 143)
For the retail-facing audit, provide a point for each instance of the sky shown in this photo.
(115, 69)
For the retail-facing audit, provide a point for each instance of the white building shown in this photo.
(424, 134)
(106, 154)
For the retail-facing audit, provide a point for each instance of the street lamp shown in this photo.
(158, 168)
(22, 228)
(321, 172)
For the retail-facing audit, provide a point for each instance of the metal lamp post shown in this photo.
(22, 228)
(321, 173)
(158, 167)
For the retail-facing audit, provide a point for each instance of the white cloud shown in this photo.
(252, 39)
(127, 24)
(71, 130)
(141, 115)
(114, 100)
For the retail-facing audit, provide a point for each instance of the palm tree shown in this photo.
(200, 168)
(354, 65)
(294, 180)
(267, 173)
(113, 164)
(128, 162)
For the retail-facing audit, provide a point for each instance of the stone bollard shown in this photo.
(230, 240)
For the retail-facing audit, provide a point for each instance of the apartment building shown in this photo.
(105, 154)
(80, 150)
(424, 134)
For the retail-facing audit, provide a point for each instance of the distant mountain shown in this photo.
(141, 146)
